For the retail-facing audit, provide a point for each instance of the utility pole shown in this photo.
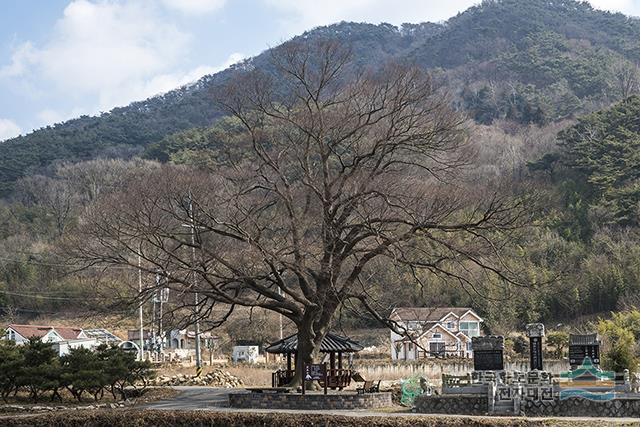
(163, 297)
(194, 284)
(280, 293)
(140, 307)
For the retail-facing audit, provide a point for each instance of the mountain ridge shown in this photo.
(472, 49)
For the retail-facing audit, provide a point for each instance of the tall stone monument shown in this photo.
(535, 332)
(488, 353)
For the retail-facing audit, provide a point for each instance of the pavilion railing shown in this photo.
(338, 378)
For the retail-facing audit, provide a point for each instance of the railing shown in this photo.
(282, 377)
(336, 378)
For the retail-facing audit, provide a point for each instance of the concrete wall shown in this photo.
(309, 401)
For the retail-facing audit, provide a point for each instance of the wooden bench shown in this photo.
(369, 387)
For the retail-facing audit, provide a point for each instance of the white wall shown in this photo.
(245, 353)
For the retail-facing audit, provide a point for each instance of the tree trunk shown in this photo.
(308, 351)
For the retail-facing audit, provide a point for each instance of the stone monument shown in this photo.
(535, 332)
(488, 353)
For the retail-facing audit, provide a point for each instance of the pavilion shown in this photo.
(334, 345)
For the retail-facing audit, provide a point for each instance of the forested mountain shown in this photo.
(527, 61)
(549, 85)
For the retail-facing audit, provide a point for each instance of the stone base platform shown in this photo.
(343, 400)
(622, 406)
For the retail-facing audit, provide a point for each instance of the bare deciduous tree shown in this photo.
(627, 77)
(342, 168)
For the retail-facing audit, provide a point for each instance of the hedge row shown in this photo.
(36, 368)
(134, 418)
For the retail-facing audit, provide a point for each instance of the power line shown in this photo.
(51, 264)
(36, 295)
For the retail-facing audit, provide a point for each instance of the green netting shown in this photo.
(411, 388)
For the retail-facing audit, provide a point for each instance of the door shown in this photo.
(436, 348)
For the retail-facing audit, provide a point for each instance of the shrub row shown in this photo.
(36, 368)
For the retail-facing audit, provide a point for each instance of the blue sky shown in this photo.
(63, 58)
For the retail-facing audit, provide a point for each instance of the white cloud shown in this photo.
(154, 86)
(49, 116)
(21, 59)
(629, 7)
(194, 7)
(165, 82)
(110, 53)
(103, 49)
(304, 14)
(8, 129)
(300, 15)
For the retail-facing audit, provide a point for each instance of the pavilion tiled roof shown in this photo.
(331, 343)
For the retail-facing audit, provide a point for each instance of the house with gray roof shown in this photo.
(433, 332)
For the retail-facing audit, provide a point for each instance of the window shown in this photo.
(470, 329)
(413, 325)
(469, 347)
(410, 346)
(437, 336)
(450, 326)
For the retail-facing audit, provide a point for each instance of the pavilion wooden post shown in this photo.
(332, 360)
(339, 360)
(288, 361)
(326, 379)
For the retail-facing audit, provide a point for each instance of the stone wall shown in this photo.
(571, 407)
(310, 401)
(580, 407)
(452, 404)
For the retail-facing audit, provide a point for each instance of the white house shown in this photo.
(22, 333)
(433, 332)
(64, 347)
(245, 351)
(183, 339)
(63, 338)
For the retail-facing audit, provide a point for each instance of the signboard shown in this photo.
(314, 372)
(488, 360)
(488, 353)
(577, 353)
(535, 353)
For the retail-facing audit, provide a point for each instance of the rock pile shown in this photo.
(215, 378)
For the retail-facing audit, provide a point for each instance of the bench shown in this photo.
(269, 390)
(369, 387)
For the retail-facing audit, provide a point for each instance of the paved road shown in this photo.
(215, 399)
(195, 398)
